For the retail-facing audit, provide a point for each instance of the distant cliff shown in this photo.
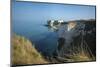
(24, 53)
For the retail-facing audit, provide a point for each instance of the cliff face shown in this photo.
(24, 53)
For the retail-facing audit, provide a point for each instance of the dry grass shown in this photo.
(80, 53)
(24, 53)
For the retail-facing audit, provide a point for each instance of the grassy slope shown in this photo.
(24, 53)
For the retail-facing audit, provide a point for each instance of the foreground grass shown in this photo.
(24, 53)
(81, 52)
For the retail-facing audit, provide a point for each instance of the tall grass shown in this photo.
(24, 53)
(80, 52)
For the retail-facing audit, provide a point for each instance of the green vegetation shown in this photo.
(24, 53)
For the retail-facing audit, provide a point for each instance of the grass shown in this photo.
(80, 53)
(24, 53)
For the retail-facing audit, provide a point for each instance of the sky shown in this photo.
(32, 11)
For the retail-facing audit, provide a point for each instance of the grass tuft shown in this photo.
(24, 53)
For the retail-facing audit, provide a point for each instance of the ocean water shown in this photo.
(29, 19)
(45, 39)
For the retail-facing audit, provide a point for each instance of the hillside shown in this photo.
(24, 53)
